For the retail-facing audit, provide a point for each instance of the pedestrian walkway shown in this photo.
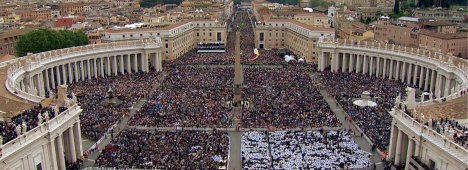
(359, 137)
(121, 124)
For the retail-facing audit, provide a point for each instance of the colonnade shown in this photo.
(402, 147)
(66, 147)
(416, 74)
(84, 68)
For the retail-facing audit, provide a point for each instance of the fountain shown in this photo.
(111, 100)
(365, 100)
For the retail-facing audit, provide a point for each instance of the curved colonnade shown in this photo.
(32, 76)
(58, 140)
(444, 74)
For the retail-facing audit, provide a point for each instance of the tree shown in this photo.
(396, 7)
(46, 39)
(368, 20)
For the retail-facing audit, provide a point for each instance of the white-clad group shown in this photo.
(301, 150)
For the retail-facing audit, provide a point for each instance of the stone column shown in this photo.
(47, 83)
(159, 61)
(108, 65)
(121, 64)
(75, 69)
(53, 154)
(421, 77)
(343, 64)
(114, 65)
(351, 63)
(135, 62)
(71, 143)
(88, 68)
(391, 152)
(448, 85)
(426, 79)
(40, 83)
(410, 69)
(59, 75)
(409, 152)
(358, 63)
(78, 144)
(433, 80)
(144, 62)
(384, 72)
(70, 73)
(377, 66)
(398, 148)
(65, 74)
(101, 63)
(438, 83)
(61, 156)
(52, 78)
(365, 62)
(416, 149)
(82, 70)
(390, 74)
(403, 73)
(129, 63)
(371, 65)
(415, 74)
(397, 70)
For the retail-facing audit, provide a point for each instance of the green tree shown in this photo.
(368, 20)
(396, 7)
(46, 39)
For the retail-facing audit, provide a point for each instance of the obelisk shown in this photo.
(237, 72)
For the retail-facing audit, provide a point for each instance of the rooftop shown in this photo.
(438, 23)
(445, 36)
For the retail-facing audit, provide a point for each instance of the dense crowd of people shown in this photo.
(374, 121)
(301, 150)
(97, 117)
(284, 98)
(190, 96)
(29, 118)
(452, 128)
(166, 150)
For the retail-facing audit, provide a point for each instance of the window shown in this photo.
(167, 45)
(262, 36)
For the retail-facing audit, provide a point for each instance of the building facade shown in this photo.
(8, 40)
(177, 38)
(298, 37)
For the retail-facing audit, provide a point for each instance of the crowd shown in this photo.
(97, 117)
(301, 150)
(255, 150)
(457, 132)
(374, 121)
(284, 98)
(189, 96)
(166, 150)
(31, 117)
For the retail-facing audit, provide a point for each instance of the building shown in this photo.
(313, 19)
(71, 8)
(399, 33)
(64, 22)
(441, 14)
(8, 40)
(35, 14)
(439, 26)
(298, 37)
(455, 43)
(373, 12)
(177, 38)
